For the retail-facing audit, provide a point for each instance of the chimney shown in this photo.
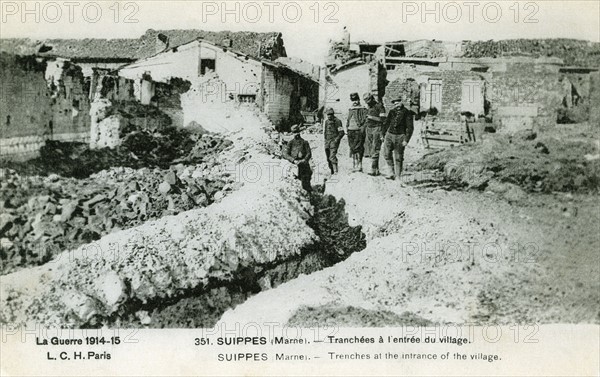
(162, 42)
(228, 42)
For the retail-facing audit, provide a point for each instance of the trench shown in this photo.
(190, 308)
(204, 306)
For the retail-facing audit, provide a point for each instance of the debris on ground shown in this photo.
(140, 148)
(550, 162)
(44, 216)
(85, 194)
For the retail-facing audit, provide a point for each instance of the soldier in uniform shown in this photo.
(355, 126)
(333, 132)
(398, 129)
(374, 134)
(297, 151)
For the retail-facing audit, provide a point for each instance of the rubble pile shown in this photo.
(339, 53)
(563, 162)
(140, 148)
(571, 51)
(42, 216)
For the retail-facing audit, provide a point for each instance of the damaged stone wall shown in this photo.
(106, 85)
(40, 100)
(117, 106)
(106, 89)
(525, 90)
(237, 76)
(23, 126)
(240, 74)
(71, 105)
(167, 98)
(579, 89)
(105, 129)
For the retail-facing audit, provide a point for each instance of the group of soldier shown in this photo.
(367, 128)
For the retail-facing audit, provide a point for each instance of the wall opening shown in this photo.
(431, 95)
(207, 65)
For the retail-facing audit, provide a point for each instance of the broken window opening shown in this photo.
(207, 65)
(431, 96)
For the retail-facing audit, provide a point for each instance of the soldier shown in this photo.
(298, 152)
(374, 135)
(398, 129)
(333, 132)
(355, 125)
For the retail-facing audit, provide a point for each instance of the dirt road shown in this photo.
(439, 256)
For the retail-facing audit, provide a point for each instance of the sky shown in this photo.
(307, 26)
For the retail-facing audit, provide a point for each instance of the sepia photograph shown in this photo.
(375, 187)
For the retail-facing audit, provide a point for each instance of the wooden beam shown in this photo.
(393, 49)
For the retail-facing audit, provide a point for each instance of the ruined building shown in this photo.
(513, 85)
(65, 89)
(281, 88)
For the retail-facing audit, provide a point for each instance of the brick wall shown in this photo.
(452, 86)
(526, 88)
(407, 89)
(407, 86)
(282, 93)
(276, 95)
